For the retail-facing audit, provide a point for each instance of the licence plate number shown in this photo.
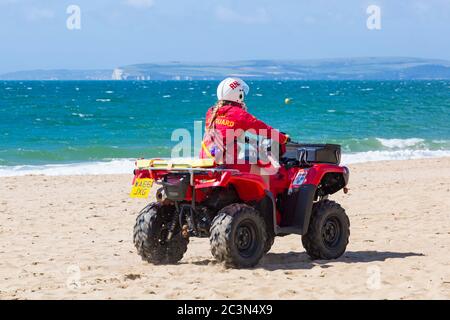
(141, 188)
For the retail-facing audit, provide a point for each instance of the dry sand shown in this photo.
(70, 237)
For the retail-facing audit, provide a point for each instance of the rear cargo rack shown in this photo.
(191, 170)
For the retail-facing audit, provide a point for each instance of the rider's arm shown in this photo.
(249, 121)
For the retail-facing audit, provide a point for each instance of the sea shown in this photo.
(101, 127)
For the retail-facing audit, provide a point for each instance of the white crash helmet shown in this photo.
(232, 89)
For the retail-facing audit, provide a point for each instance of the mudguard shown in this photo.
(297, 210)
(304, 206)
(267, 208)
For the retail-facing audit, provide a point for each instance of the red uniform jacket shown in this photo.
(233, 117)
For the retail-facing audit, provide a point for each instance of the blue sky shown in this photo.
(33, 33)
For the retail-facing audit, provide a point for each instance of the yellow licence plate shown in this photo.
(141, 188)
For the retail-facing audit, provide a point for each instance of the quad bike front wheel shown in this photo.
(328, 232)
(150, 235)
(238, 236)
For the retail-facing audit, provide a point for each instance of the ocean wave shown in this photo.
(406, 154)
(115, 166)
(126, 166)
(400, 143)
(81, 115)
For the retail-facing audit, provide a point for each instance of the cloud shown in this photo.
(226, 14)
(140, 3)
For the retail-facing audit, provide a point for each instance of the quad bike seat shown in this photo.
(180, 163)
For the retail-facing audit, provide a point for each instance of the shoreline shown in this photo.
(125, 165)
(70, 237)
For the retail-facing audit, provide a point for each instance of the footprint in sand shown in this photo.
(132, 276)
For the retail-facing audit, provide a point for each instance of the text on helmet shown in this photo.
(234, 84)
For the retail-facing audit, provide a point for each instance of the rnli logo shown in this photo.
(234, 84)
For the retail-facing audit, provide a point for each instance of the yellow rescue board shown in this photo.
(167, 164)
(141, 188)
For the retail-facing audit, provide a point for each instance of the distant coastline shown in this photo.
(371, 68)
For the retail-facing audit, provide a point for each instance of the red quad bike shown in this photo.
(242, 212)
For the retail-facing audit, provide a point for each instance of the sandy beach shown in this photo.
(70, 237)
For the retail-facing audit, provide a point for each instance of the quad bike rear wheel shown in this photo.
(238, 236)
(150, 235)
(328, 232)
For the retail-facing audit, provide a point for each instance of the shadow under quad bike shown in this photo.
(239, 210)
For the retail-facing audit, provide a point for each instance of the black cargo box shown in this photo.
(314, 153)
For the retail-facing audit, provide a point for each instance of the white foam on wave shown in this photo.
(82, 115)
(406, 154)
(116, 166)
(439, 141)
(400, 143)
(126, 166)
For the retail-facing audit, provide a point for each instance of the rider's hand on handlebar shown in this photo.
(288, 138)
